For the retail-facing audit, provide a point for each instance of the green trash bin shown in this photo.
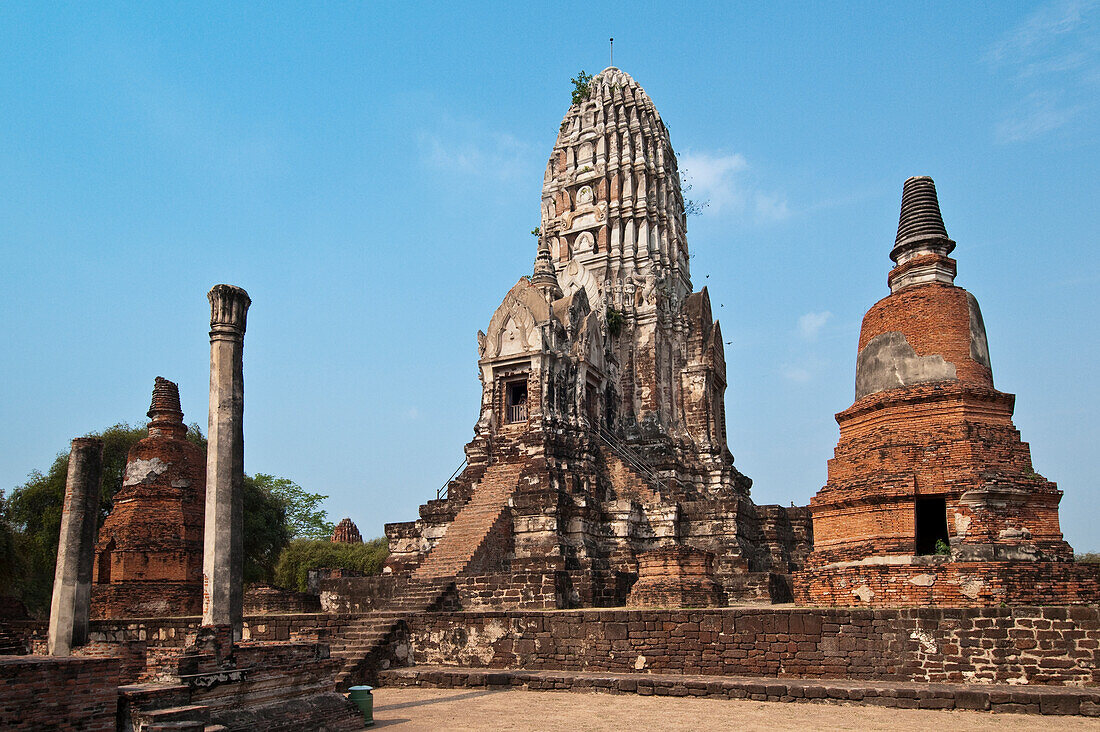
(361, 695)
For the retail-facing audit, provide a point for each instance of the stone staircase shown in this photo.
(361, 644)
(154, 707)
(473, 526)
(468, 535)
(10, 643)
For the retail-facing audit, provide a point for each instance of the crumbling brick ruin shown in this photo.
(598, 475)
(346, 532)
(149, 552)
(602, 427)
(931, 496)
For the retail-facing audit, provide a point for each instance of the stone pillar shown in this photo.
(72, 582)
(223, 544)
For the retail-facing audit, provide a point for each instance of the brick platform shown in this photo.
(38, 692)
(998, 698)
(1045, 646)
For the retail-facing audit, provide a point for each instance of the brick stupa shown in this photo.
(149, 552)
(931, 496)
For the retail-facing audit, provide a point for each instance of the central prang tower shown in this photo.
(613, 218)
(602, 431)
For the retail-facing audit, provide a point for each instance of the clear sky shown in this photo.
(369, 172)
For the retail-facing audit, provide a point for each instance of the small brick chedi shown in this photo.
(346, 532)
(602, 427)
(149, 552)
(931, 496)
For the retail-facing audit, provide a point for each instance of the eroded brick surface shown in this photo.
(1044, 646)
(931, 495)
(38, 693)
(149, 551)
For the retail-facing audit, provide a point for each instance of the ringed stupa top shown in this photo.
(921, 245)
(612, 211)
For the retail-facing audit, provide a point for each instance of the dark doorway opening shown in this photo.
(591, 405)
(931, 524)
(515, 402)
(104, 573)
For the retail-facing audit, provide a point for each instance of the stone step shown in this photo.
(142, 697)
(189, 717)
(997, 698)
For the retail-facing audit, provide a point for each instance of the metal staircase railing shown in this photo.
(625, 454)
(444, 489)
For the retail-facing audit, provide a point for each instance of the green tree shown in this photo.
(302, 555)
(30, 518)
(12, 561)
(33, 511)
(304, 516)
(265, 529)
(582, 87)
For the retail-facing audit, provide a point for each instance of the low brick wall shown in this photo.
(174, 631)
(358, 594)
(38, 692)
(1059, 646)
(524, 589)
(262, 599)
(152, 599)
(941, 583)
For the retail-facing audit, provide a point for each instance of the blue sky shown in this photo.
(370, 172)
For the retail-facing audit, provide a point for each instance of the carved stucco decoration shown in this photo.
(514, 327)
(575, 277)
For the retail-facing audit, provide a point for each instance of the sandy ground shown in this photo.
(470, 709)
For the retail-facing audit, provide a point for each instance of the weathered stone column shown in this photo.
(223, 543)
(72, 581)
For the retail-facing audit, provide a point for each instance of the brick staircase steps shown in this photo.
(432, 580)
(470, 528)
(366, 636)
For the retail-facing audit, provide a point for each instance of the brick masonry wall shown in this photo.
(949, 584)
(520, 589)
(38, 693)
(1056, 646)
(151, 599)
(357, 594)
(263, 599)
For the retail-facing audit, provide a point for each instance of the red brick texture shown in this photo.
(942, 583)
(149, 551)
(950, 440)
(935, 319)
(39, 693)
(346, 532)
(1053, 646)
(675, 577)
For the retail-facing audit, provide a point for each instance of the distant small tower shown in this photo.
(346, 533)
(149, 551)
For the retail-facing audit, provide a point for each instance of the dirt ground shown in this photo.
(481, 709)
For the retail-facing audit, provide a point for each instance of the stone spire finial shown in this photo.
(920, 218)
(921, 245)
(543, 276)
(165, 411)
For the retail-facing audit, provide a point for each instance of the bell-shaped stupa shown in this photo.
(931, 496)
